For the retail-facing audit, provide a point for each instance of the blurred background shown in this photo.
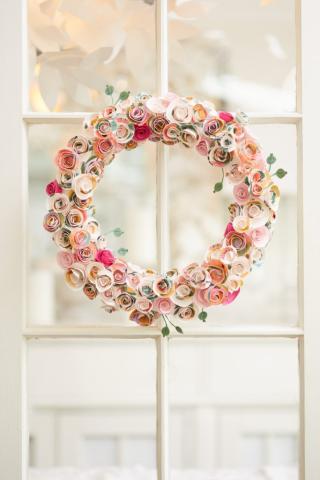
(234, 404)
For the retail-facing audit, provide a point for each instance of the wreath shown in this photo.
(147, 295)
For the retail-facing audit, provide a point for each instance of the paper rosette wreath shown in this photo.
(146, 295)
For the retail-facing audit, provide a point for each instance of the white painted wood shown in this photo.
(310, 11)
(12, 455)
(162, 245)
(100, 331)
(77, 117)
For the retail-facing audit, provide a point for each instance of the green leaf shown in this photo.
(165, 331)
(203, 316)
(280, 173)
(271, 159)
(122, 251)
(246, 181)
(124, 95)
(218, 187)
(179, 329)
(109, 90)
(117, 232)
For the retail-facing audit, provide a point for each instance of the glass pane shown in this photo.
(234, 408)
(125, 199)
(241, 54)
(91, 408)
(269, 293)
(77, 46)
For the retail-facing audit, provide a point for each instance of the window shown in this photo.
(237, 394)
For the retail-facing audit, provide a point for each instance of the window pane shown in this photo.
(234, 408)
(91, 405)
(77, 46)
(124, 199)
(198, 219)
(239, 53)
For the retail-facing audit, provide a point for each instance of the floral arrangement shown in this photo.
(146, 295)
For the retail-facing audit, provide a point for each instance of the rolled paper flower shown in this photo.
(157, 124)
(241, 193)
(145, 288)
(240, 241)
(90, 291)
(123, 130)
(101, 242)
(218, 271)
(65, 259)
(125, 301)
(229, 228)
(231, 297)
(219, 157)
(258, 213)
(92, 270)
(187, 313)
(240, 267)
(75, 276)
(234, 173)
(53, 187)
(238, 132)
(141, 132)
(241, 223)
(213, 127)
(202, 147)
(104, 280)
(143, 304)
(59, 203)
(85, 254)
(226, 116)
(142, 319)
(234, 282)
(249, 153)
(183, 294)
(109, 111)
(119, 271)
(93, 166)
(217, 295)
(165, 306)
(138, 114)
(199, 278)
(104, 147)
(79, 144)
(81, 203)
(66, 160)
(75, 217)
(256, 255)
(156, 105)
(179, 111)
(133, 279)
(228, 142)
(163, 286)
(52, 222)
(79, 238)
(199, 113)
(228, 255)
(62, 238)
(92, 226)
(260, 236)
(189, 136)
(105, 256)
(242, 118)
(65, 180)
(102, 127)
(214, 252)
(171, 133)
(202, 297)
(131, 145)
(256, 189)
(234, 210)
(84, 185)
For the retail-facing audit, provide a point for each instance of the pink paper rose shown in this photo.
(231, 297)
(53, 187)
(141, 132)
(241, 193)
(105, 256)
(226, 116)
(260, 236)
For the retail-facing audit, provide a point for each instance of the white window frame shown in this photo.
(14, 332)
